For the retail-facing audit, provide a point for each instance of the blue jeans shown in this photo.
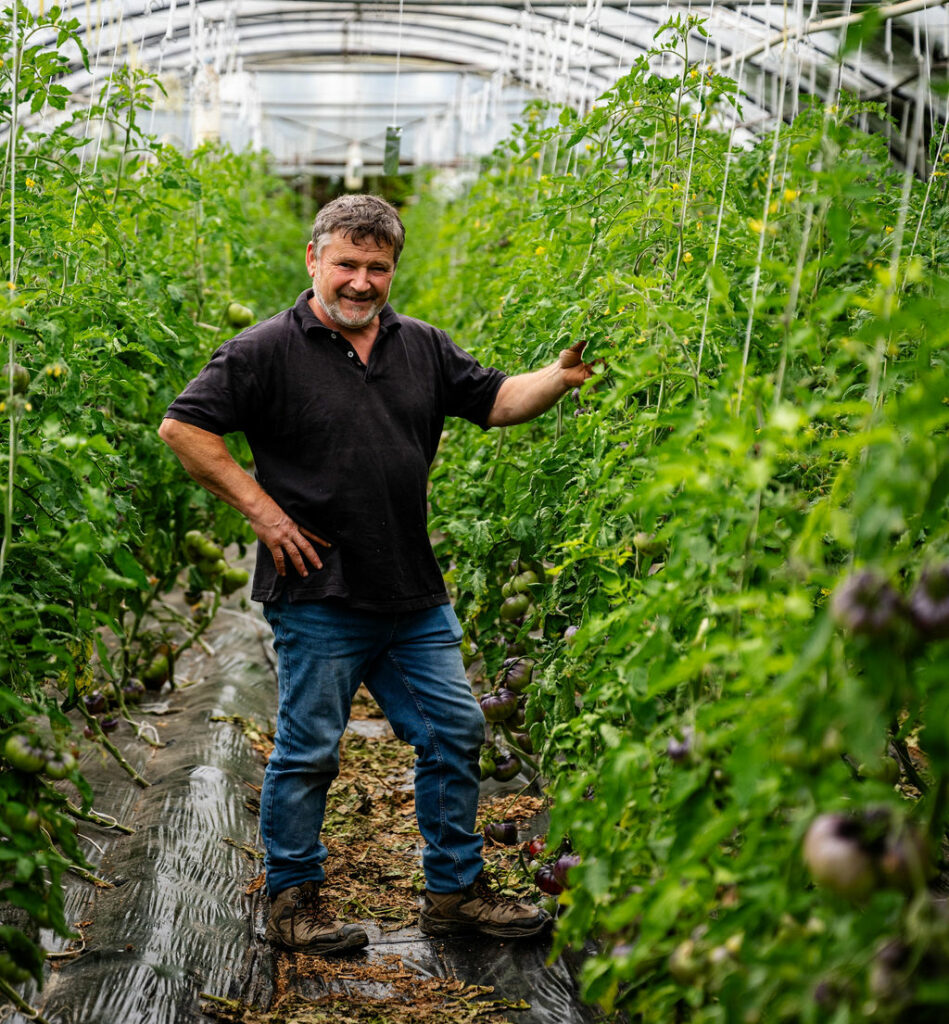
(411, 663)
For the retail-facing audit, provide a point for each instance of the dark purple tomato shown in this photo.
(516, 673)
(563, 864)
(507, 767)
(95, 702)
(133, 691)
(678, 750)
(836, 858)
(547, 881)
(866, 604)
(906, 862)
(523, 741)
(109, 724)
(929, 602)
(499, 706)
(502, 832)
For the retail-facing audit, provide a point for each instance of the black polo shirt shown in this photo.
(342, 447)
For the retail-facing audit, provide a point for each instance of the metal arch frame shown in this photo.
(443, 36)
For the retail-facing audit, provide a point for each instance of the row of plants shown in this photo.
(737, 612)
(129, 263)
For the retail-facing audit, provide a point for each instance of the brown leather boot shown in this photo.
(299, 921)
(480, 909)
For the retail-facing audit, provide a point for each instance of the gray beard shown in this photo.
(333, 311)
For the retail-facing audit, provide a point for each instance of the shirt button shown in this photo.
(332, 335)
(350, 354)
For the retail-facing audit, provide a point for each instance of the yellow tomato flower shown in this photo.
(790, 194)
(537, 155)
(693, 73)
(756, 225)
(676, 186)
(30, 183)
(539, 251)
(888, 230)
(11, 286)
(3, 406)
(28, 406)
(687, 257)
(773, 206)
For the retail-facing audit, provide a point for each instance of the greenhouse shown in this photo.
(474, 487)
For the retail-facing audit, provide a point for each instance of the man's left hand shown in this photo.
(572, 367)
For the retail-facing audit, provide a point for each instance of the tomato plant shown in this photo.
(127, 262)
(742, 522)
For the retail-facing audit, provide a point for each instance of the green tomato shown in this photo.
(20, 818)
(208, 551)
(646, 544)
(194, 541)
(239, 315)
(60, 766)
(234, 579)
(21, 379)
(514, 607)
(157, 670)
(523, 581)
(22, 754)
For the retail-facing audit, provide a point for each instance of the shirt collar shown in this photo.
(389, 320)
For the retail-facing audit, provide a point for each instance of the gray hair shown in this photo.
(357, 217)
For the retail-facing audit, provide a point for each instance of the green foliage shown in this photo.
(125, 260)
(771, 416)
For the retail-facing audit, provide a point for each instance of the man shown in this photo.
(342, 401)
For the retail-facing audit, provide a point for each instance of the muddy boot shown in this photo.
(480, 909)
(299, 921)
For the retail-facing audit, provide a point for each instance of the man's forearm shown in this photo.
(207, 461)
(527, 395)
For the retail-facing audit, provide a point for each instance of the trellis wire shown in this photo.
(11, 284)
(756, 279)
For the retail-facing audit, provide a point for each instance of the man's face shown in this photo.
(350, 280)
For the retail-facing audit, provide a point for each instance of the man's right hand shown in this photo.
(285, 539)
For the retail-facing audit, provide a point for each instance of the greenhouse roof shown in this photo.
(317, 83)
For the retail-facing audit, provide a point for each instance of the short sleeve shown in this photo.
(223, 397)
(470, 388)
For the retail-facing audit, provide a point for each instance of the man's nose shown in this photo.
(360, 279)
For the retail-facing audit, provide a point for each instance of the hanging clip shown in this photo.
(390, 162)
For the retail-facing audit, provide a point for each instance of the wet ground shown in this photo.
(174, 936)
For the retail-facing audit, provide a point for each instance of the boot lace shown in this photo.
(310, 908)
(485, 888)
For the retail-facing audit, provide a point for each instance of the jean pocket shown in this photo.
(452, 624)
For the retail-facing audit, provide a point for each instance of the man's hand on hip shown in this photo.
(285, 539)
